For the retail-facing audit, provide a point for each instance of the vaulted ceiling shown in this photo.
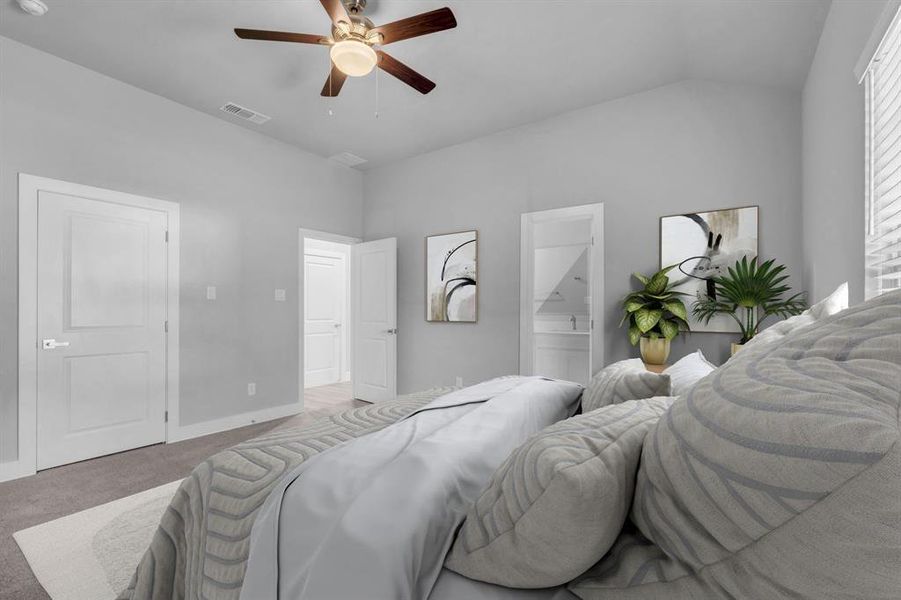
(507, 63)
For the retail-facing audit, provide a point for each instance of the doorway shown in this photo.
(348, 318)
(561, 293)
(326, 318)
(98, 320)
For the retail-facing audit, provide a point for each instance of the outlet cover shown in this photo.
(251, 389)
(280, 295)
(211, 292)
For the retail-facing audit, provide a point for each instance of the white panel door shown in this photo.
(374, 293)
(324, 299)
(101, 368)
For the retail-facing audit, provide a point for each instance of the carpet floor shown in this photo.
(68, 489)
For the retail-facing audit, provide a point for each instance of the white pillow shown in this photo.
(834, 303)
(687, 371)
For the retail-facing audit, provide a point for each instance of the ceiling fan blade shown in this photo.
(279, 36)
(391, 65)
(430, 22)
(334, 82)
(335, 10)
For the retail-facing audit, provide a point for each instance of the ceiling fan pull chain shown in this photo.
(331, 97)
(377, 91)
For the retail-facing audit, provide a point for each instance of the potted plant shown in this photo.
(749, 293)
(656, 316)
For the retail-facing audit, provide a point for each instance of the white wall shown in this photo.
(691, 146)
(242, 198)
(833, 152)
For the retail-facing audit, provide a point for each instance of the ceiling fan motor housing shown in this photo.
(360, 29)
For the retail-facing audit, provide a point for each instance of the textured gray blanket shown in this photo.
(200, 549)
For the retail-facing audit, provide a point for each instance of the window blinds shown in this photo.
(883, 166)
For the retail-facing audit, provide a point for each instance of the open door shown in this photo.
(374, 315)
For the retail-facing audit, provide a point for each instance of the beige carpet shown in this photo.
(90, 555)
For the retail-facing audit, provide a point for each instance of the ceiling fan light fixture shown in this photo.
(353, 58)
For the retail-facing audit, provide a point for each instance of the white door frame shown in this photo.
(29, 188)
(596, 265)
(324, 236)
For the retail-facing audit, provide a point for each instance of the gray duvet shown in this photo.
(375, 517)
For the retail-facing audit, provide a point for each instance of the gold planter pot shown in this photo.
(654, 351)
(735, 348)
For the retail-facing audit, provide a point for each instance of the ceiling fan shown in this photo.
(356, 43)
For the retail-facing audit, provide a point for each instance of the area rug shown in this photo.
(91, 555)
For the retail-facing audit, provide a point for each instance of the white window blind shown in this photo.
(883, 165)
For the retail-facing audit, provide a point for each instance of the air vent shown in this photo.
(245, 113)
(347, 159)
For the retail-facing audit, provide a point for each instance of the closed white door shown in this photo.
(324, 317)
(101, 367)
(374, 300)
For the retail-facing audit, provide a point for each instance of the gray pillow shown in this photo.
(621, 381)
(777, 476)
(558, 502)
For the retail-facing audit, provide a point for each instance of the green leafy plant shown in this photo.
(655, 311)
(750, 293)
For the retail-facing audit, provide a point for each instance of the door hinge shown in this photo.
(167, 236)
(592, 240)
(592, 324)
(166, 326)
(166, 417)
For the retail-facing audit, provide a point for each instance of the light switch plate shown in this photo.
(211, 292)
(251, 389)
(280, 295)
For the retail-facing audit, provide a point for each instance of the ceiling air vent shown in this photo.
(244, 113)
(347, 159)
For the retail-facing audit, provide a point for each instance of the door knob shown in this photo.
(51, 343)
(337, 325)
(391, 331)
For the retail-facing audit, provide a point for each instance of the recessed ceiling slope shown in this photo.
(511, 62)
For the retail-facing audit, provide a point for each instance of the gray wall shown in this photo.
(833, 152)
(690, 146)
(242, 198)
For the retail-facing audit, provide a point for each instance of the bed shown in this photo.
(203, 542)
(775, 476)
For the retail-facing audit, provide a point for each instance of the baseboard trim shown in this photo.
(187, 432)
(15, 469)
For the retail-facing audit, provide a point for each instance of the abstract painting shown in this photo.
(451, 277)
(704, 245)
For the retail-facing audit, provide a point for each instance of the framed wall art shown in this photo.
(704, 245)
(452, 291)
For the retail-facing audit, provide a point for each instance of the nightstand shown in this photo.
(655, 368)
